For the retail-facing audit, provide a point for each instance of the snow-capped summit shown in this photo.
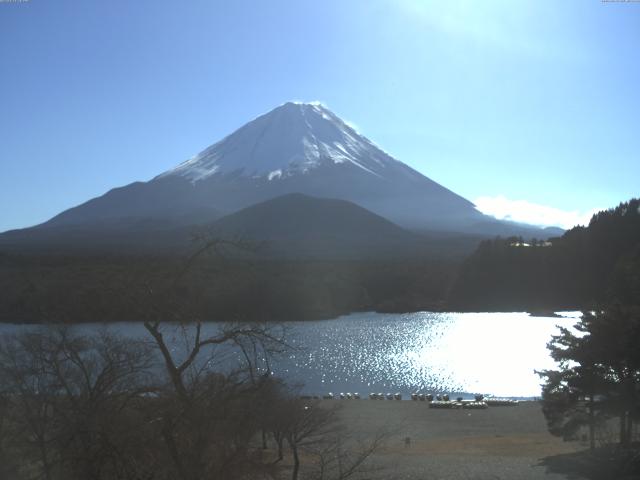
(295, 148)
(292, 139)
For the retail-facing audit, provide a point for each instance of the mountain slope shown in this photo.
(300, 225)
(294, 148)
(586, 266)
(292, 225)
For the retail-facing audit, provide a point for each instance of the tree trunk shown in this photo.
(296, 461)
(633, 405)
(623, 428)
(174, 373)
(45, 461)
(592, 426)
(167, 434)
(280, 449)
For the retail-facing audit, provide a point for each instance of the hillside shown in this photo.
(297, 225)
(294, 148)
(597, 263)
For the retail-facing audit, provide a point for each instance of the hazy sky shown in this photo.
(530, 109)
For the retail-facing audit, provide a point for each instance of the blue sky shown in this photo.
(531, 109)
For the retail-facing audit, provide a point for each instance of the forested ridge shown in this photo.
(594, 391)
(54, 289)
(574, 271)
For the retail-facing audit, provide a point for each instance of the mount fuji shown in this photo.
(295, 148)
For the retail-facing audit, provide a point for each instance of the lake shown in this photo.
(458, 353)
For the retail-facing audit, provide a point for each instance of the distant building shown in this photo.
(541, 243)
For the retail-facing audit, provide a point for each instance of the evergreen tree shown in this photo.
(599, 374)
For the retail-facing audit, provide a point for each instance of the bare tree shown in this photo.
(190, 402)
(306, 424)
(341, 456)
(68, 398)
(211, 415)
(314, 428)
(30, 393)
(8, 467)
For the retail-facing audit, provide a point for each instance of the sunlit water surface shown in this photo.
(489, 353)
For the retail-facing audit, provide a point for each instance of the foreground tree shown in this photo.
(209, 414)
(190, 402)
(69, 402)
(599, 375)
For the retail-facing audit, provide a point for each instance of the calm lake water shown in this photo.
(489, 353)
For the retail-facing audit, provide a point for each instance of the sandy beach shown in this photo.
(496, 443)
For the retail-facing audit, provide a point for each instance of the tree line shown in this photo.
(576, 271)
(101, 406)
(76, 406)
(596, 386)
(35, 289)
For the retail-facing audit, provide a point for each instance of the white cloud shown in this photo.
(318, 103)
(504, 208)
(353, 125)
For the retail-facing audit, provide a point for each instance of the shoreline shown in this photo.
(457, 444)
(558, 313)
(457, 354)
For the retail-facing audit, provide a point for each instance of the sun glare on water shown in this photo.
(488, 352)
